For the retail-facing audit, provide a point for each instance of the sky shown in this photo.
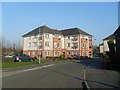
(99, 19)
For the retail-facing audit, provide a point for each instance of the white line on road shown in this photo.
(84, 78)
(39, 67)
(11, 73)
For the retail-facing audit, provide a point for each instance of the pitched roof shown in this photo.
(109, 37)
(73, 31)
(100, 44)
(117, 31)
(45, 29)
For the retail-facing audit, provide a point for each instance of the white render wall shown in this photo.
(50, 40)
(31, 39)
(105, 45)
(101, 48)
(63, 42)
(27, 40)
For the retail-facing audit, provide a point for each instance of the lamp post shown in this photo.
(39, 61)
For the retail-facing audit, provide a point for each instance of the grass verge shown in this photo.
(15, 64)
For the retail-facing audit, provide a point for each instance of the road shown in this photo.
(62, 74)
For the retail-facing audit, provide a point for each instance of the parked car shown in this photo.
(22, 58)
(9, 56)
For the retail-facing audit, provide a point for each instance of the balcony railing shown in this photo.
(74, 47)
(40, 38)
(74, 39)
(40, 47)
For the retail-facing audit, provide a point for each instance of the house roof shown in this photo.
(109, 37)
(45, 29)
(73, 31)
(100, 44)
(117, 31)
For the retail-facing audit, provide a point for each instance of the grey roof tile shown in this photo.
(109, 37)
(117, 31)
(45, 29)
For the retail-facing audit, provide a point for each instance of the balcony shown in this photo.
(74, 47)
(40, 47)
(40, 38)
(75, 39)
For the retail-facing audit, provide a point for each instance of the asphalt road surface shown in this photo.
(63, 74)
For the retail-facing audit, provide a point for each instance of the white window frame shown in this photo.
(34, 44)
(58, 45)
(47, 35)
(58, 53)
(29, 44)
(46, 53)
(47, 44)
(34, 53)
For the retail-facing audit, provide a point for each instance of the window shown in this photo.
(90, 39)
(68, 37)
(75, 46)
(75, 53)
(33, 37)
(46, 35)
(55, 53)
(29, 44)
(58, 45)
(78, 53)
(56, 35)
(29, 38)
(34, 44)
(55, 45)
(86, 53)
(68, 44)
(83, 45)
(86, 45)
(47, 44)
(34, 53)
(47, 53)
(72, 53)
(40, 43)
(83, 53)
(68, 53)
(58, 53)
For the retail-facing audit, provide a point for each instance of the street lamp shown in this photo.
(39, 61)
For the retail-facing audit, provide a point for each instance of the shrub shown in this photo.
(49, 57)
(34, 58)
(7, 59)
(106, 63)
(61, 57)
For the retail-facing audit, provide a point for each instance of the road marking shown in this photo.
(84, 78)
(38, 67)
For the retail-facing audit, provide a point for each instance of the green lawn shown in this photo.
(15, 64)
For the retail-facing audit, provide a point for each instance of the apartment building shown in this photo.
(44, 41)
